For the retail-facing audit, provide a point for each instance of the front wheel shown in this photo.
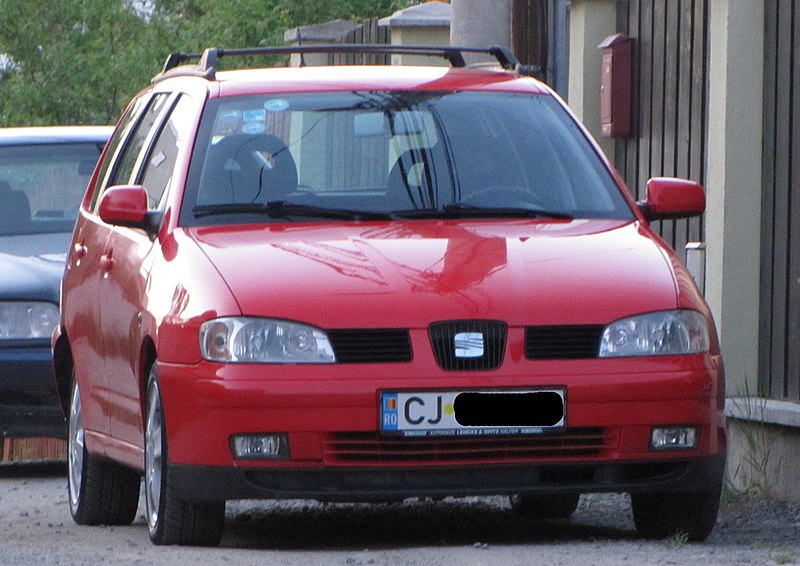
(101, 492)
(661, 515)
(170, 519)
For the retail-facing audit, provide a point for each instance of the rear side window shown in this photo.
(128, 142)
(130, 154)
(120, 133)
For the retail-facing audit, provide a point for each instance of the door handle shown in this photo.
(79, 250)
(106, 262)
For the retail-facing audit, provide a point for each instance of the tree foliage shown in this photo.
(80, 61)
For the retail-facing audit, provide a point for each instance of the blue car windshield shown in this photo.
(41, 186)
(410, 154)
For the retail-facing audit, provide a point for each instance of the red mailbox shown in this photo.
(615, 86)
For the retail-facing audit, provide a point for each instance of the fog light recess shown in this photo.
(260, 446)
(674, 438)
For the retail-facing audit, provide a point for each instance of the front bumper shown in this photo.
(199, 483)
(29, 405)
(330, 416)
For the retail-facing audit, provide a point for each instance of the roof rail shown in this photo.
(207, 61)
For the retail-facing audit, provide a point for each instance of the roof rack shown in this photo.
(207, 61)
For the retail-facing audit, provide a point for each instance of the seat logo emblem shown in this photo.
(468, 345)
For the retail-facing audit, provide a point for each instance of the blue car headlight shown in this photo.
(25, 320)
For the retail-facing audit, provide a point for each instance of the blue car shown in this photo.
(43, 176)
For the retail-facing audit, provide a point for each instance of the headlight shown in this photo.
(23, 320)
(264, 340)
(656, 334)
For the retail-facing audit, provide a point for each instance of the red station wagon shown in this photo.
(361, 283)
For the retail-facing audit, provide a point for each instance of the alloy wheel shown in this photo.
(75, 451)
(153, 457)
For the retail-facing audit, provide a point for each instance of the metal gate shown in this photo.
(670, 86)
(779, 361)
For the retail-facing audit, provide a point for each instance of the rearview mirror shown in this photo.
(668, 198)
(126, 205)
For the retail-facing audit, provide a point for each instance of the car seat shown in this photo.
(15, 210)
(245, 168)
(412, 182)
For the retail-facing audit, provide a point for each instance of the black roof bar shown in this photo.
(207, 61)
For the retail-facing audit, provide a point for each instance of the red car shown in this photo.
(377, 283)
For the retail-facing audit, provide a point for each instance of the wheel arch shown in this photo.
(62, 366)
(147, 357)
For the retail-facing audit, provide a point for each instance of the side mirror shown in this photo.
(667, 198)
(126, 205)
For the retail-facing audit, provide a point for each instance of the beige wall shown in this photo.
(591, 21)
(413, 35)
(733, 184)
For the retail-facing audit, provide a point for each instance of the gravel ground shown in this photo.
(37, 529)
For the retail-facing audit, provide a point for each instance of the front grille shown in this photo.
(371, 345)
(468, 345)
(372, 448)
(562, 342)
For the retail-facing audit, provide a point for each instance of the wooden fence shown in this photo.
(369, 32)
(33, 449)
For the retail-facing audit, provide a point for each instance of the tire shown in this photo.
(662, 515)
(101, 492)
(545, 507)
(170, 519)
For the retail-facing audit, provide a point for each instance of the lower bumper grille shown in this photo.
(372, 448)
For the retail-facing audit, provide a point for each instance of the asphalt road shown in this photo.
(36, 528)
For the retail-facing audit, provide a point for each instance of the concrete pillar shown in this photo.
(733, 184)
(480, 23)
(590, 21)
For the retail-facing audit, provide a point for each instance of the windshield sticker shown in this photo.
(276, 105)
(230, 116)
(254, 122)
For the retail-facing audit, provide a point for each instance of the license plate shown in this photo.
(452, 413)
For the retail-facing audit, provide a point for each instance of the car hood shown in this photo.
(412, 273)
(28, 245)
(31, 277)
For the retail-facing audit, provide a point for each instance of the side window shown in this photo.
(125, 124)
(130, 154)
(162, 158)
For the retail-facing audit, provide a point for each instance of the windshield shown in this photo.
(362, 155)
(41, 186)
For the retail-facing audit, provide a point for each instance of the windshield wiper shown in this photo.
(460, 210)
(283, 209)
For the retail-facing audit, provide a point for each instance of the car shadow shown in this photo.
(38, 469)
(307, 526)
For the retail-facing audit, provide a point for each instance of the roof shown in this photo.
(370, 77)
(336, 77)
(176, 64)
(55, 134)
